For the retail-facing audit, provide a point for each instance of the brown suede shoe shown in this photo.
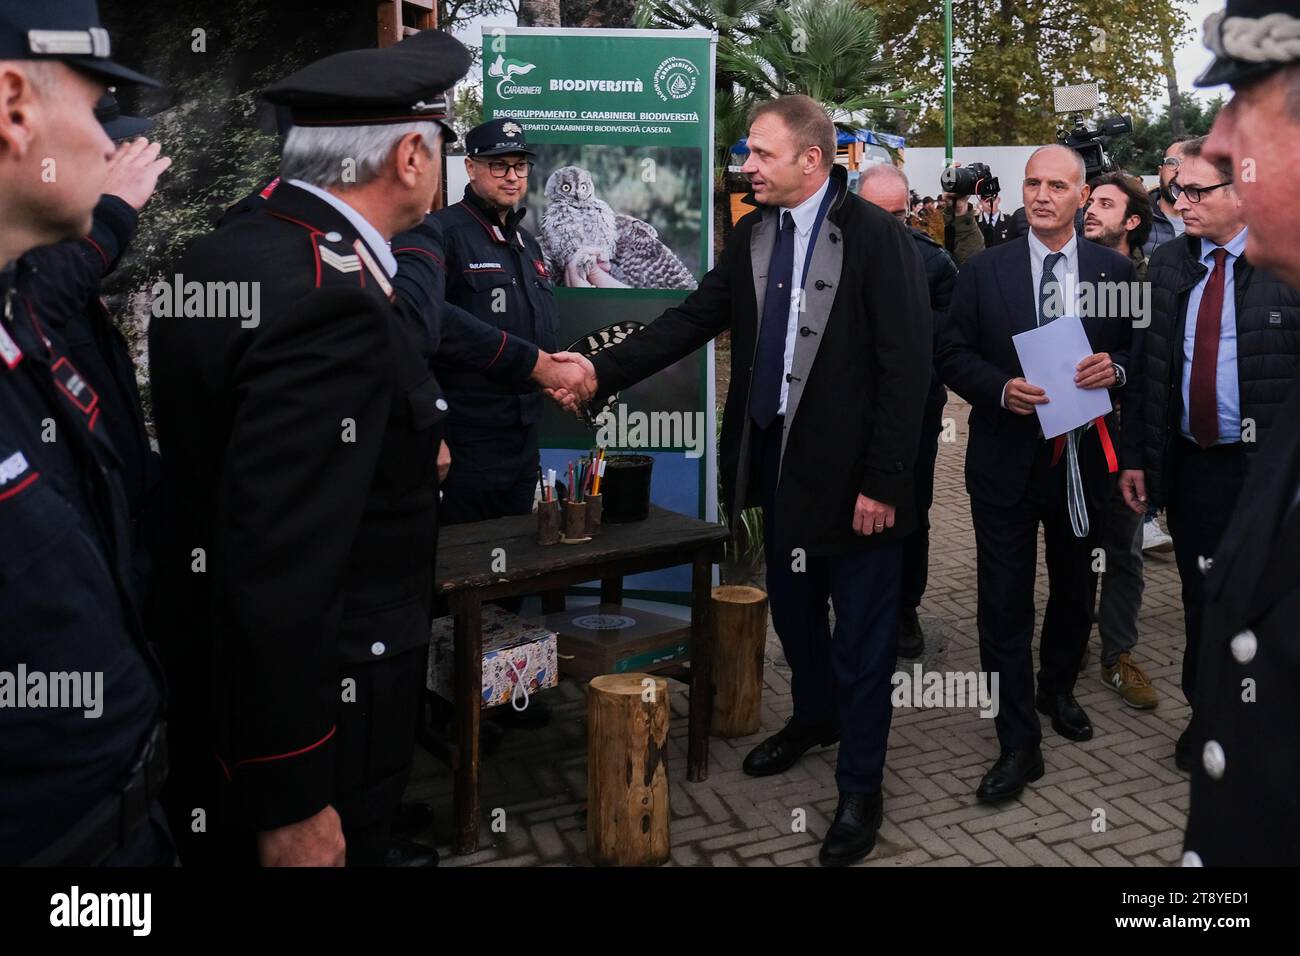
(1127, 680)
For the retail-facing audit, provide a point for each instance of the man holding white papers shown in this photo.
(1018, 479)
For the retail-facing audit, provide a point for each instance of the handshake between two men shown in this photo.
(567, 378)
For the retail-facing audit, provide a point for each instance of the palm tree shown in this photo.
(735, 21)
(827, 49)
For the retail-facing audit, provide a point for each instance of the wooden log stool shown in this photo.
(627, 770)
(739, 618)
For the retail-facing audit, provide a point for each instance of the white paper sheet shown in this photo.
(1049, 355)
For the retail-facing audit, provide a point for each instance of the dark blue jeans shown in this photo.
(838, 679)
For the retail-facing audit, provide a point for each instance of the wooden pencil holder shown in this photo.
(593, 503)
(575, 520)
(548, 522)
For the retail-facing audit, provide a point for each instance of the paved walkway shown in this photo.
(935, 760)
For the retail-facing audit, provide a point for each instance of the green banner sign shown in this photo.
(621, 200)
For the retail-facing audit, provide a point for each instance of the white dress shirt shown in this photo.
(1069, 266)
(1063, 268)
(805, 214)
(369, 234)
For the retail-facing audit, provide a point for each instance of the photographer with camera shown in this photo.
(961, 231)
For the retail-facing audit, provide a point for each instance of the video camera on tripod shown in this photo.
(1088, 143)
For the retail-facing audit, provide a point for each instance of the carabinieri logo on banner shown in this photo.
(505, 71)
(675, 78)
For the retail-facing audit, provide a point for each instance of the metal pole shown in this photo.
(947, 80)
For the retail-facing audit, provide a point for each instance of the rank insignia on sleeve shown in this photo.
(10, 353)
(13, 468)
(341, 263)
(78, 390)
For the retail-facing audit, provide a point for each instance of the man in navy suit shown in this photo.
(825, 297)
(1016, 479)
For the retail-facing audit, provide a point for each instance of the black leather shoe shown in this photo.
(411, 820)
(852, 835)
(782, 750)
(1185, 751)
(911, 639)
(1009, 774)
(1068, 718)
(409, 853)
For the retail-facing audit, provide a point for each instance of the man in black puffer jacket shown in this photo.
(1212, 371)
(885, 185)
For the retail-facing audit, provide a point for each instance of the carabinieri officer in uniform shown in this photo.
(82, 759)
(494, 271)
(301, 445)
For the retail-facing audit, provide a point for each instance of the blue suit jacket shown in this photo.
(993, 301)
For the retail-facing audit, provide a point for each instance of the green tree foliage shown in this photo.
(827, 49)
(214, 61)
(1141, 153)
(467, 111)
(1009, 54)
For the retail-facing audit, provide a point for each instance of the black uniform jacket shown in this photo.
(497, 274)
(67, 602)
(66, 294)
(301, 453)
(1245, 808)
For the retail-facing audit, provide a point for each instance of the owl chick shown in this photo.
(575, 219)
(643, 261)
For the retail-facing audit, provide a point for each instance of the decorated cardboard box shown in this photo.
(613, 639)
(518, 657)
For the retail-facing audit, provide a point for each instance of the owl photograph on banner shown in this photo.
(632, 211)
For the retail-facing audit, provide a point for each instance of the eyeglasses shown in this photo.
(499, 167)
(1194, 193)
(1172, 161)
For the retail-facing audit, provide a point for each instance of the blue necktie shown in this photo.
(769, 369)
(1048, 287)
